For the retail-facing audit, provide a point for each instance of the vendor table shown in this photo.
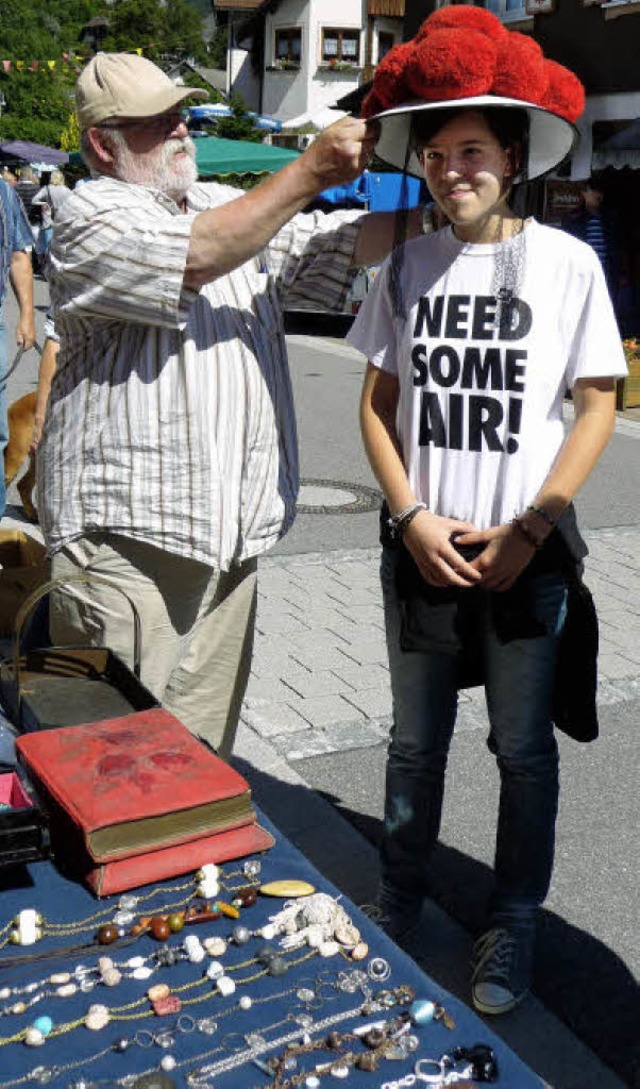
(205, 1055)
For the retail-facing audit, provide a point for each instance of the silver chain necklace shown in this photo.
(508, 271)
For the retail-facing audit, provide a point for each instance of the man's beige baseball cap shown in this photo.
(125, 86)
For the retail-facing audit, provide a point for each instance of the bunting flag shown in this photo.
(71, 59)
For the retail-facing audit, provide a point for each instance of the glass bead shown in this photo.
(66, 990)
(164, 1039)
(226, 986)
(340, 1071)
(136, 962)
(86, 985)
(207, 1026)
(42, 1074)
(5, 992)
(81, 970)
(304, 1020)
(252, 867)
(166, 957)
(123, 918)
(29, 988)
(277, 966)
(305, 994)
(245, 1002)
(167, 1062)
(312, 1082)
(422, 1011)
(33, 1037)
(43, 1024)
(128, 902)
(291, 1063)
(267, 932)
(122, 1044)
(241, 935)
(255, 1040)
(141, 973)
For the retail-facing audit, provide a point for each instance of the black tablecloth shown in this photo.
(69, 1056)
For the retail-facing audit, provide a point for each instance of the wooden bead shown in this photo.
(176, 922)
(160, 928)
(228, 910)
(247, 896)
(107, 934)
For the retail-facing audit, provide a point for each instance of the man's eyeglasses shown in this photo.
(160, 125)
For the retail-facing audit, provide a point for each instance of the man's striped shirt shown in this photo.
(171, 417)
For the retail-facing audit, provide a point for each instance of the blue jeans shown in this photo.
(519, 682)
(4, 424)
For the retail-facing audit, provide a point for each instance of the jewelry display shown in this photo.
(221, 1000)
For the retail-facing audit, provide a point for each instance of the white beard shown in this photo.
(167, 172)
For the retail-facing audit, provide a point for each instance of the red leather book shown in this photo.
(134, 784)
(168, 862)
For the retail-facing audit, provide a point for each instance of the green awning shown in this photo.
(217, 156)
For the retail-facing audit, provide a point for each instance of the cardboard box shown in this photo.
(24, 566)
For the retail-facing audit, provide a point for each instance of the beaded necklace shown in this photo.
(308, 997)
(163, 1001)
(29, 926)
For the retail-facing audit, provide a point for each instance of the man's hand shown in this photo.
(25, 332)
(428, 539)
(341, 152)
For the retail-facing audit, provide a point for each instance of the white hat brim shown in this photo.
(551, 138)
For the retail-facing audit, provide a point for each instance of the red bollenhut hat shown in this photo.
(463, 56)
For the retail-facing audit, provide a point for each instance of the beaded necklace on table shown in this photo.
(29, 926)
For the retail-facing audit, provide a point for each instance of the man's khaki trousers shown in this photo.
(197, 626)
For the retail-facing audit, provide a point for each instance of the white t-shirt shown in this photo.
(480, 405)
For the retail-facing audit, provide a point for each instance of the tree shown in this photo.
(38, 102)
(239, 126)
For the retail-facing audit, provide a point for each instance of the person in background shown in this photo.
(168, 460)
(49, 199)
(473, 334)
(26, 187)
(16, 241)
(596, 224)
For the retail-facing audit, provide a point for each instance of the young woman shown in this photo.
(473, 335)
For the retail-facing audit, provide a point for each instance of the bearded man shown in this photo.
(168, 461)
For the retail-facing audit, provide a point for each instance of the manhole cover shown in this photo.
(336, 497)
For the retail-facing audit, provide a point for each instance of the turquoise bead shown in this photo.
(422, 1011)
(43, 1024)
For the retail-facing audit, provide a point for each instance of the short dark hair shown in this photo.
(510, 126)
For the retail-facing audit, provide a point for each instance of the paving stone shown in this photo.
(352, 735)
(616, 666)
(326, 657)
(320, 711)
(374, 704)
(365, 614)
(303, 745)
(320, 682)
(283, 624)
(362, 678)
(269, 689)
(368, 651)
(270, 719)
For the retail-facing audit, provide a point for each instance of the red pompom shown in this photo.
(463, 17)
(389, 82)
(520, 68)
(564, 93)
(371, 105)
(451, 64)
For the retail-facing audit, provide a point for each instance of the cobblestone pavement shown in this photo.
(320, 681)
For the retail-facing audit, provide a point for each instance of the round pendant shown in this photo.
(378, 969)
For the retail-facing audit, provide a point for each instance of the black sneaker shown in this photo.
(502, 961)
(399, 913)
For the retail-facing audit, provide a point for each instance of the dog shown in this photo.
(21, 416)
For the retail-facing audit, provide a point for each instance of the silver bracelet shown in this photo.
(397, 523)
